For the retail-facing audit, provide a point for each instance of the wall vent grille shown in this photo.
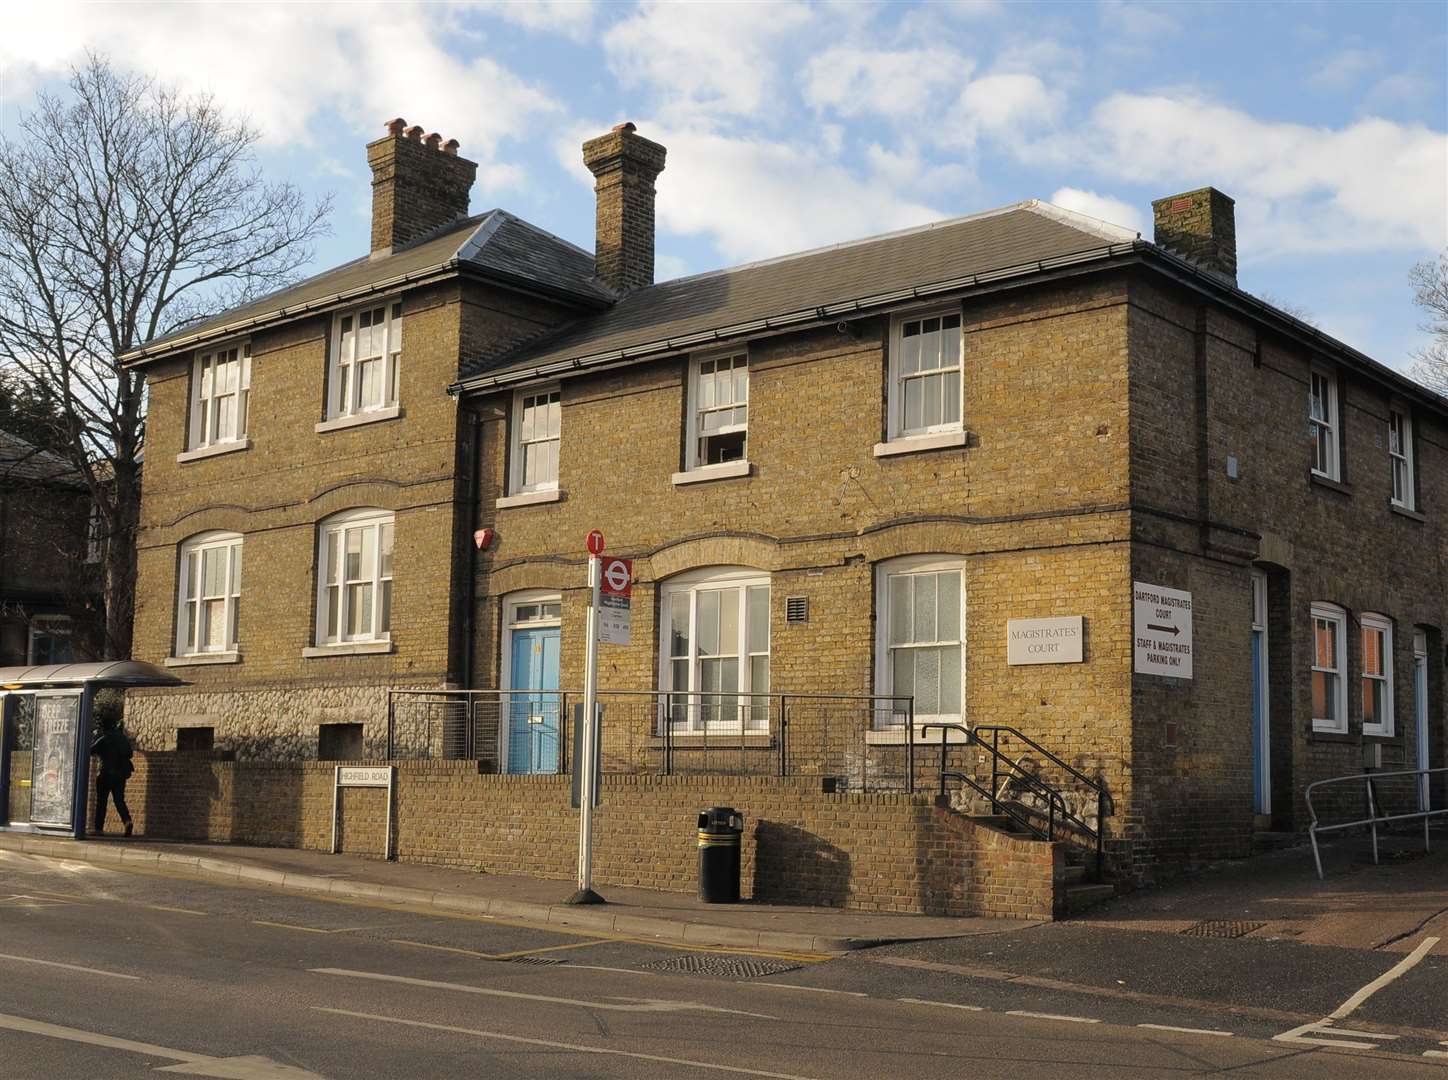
(796, 609)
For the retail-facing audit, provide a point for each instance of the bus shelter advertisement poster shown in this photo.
(52, 781)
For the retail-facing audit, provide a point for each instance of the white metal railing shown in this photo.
(1375, 818)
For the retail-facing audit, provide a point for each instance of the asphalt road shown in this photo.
(118, 974)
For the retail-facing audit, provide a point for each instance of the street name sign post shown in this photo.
(363, 776)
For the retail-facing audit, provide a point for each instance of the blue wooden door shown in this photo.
(533, 712)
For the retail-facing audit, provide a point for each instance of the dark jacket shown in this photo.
(114, 750)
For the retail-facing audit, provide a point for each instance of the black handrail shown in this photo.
(1055, 802)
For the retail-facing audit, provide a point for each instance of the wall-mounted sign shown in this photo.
(1045, 641)
(1163, 631)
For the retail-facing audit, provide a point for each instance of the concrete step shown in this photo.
(1083, 896)
(1073, 875)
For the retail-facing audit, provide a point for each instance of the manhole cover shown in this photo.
(725, 967)
(536, 961)
(1222, 928)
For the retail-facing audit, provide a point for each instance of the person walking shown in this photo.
(114, 749)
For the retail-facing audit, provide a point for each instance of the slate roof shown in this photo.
(19, 460)
(1023, 233)
(495, 244)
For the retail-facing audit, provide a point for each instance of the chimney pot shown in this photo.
(624, 166)
(451, 147)
(1201, 227)
(415, 191)
(627, 125)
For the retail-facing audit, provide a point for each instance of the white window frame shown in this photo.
(339, 526)
(694, 721)
(694, 430)
(192, 557)
(1334, 614)
(884, 668)
(511, 622)
(516, 454)
(1372, 622)
(895, 396)
(344, 390)
(1331, 423)
(204, 431)
(1400, 457)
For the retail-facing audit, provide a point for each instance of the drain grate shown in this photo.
(1222, 928)
(725, 967)
(536, 961)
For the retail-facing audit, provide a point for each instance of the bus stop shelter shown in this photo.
(45, 737)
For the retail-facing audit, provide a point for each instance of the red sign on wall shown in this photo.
(595, 543)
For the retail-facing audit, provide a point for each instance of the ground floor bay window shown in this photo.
(714, 665)
(919, 636)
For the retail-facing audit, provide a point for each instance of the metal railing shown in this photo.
(1377, 814)
(863, 742)
(1004, 773)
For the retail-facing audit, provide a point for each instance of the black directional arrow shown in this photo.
(1172, 630)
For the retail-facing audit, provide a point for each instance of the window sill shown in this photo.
(371, 416)
(200, 659)
(347, 648)
(529, 498)
(213, 450)
(1404, 511)
(1323, 736)
(703, 473)
(896, 737)
(1379, 736)
(912, 444)
(1329, 483)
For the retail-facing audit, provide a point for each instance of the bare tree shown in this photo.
(1430, 292)
(127, 210)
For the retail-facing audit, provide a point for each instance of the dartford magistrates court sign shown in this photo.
(1044, 641)
(1163, 631)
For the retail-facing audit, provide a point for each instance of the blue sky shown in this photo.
(796, 124)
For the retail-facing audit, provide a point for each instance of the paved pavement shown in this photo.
(1394, 905)
(665, 915)
(136, 968)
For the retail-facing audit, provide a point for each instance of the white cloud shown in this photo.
(1102, 207)
(706, 59)
(1137, 21)
(1371, 185)
(667, 267)
(1345, 68)
(571, 18)
(1007, 105)
(290, 68)
(855, 80)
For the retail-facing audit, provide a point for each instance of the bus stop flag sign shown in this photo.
(615, 591)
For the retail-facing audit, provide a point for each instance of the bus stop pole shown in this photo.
(587, 762)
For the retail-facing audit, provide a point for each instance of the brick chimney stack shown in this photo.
(624, 165)
(1201, 226)
(418, 184)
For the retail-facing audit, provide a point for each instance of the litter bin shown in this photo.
(720, 828)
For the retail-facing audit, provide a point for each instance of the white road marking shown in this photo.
(1052, 1016)
(617, 1004)
(1311, 1034)
(942, 1004)
(575, 1047)
(811, 989)
(1348, 1007)
(68, 967)
(241, 1068)
(1187, 1030)
(1435, 1053)
(1304, 1036)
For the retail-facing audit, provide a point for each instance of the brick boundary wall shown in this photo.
(887, 853)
